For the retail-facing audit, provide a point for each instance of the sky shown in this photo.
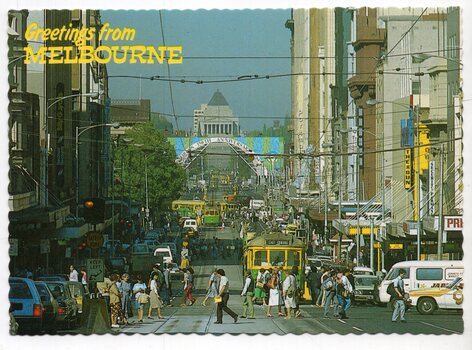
(209, 34)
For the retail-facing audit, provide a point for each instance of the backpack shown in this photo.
(391, 289)
(328, 284)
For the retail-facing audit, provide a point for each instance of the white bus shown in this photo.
(422, 274)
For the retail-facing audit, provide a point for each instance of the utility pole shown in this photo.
(440, 214)
(372, 243)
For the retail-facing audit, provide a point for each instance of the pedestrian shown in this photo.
(83, 277)
(325, 273)
(188, 285)
(223, 292)
(115, 303)
(212, 290)
(399, 297)
(73, 274)
(350, 277)
(343, 291)
(259, 292)
(289, 292)
(167, 286)
(248, 295)
(280, 280)
(125, 289)
(139, 288)
(265, 279)
(275, 299)
(184, 263)
(330, 292)
(155, 301)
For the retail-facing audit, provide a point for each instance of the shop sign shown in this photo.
(453, 223)
(13, 251)
(408, 168)
(395, 246)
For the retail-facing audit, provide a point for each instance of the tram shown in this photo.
(275, 250)
(211, 217)
(188, 208)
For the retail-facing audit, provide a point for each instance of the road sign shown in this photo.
(94, 239)
(45, 246)
(13, 251)
(95, 270)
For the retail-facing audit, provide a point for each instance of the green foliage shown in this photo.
(148, 148)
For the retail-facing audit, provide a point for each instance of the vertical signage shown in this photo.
(432, 186)
(408, 168)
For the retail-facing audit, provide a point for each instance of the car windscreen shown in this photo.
(56, 289)
(43, 293)
(365, 282)
(19, 290)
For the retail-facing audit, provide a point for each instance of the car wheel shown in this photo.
(426, 306)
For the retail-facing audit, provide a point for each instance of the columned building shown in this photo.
(216, 118)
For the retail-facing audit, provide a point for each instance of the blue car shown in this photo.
(25, 305)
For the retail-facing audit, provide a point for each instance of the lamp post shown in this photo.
(44, 173)
(79, 131)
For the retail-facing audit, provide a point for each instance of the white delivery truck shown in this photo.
(422, 274)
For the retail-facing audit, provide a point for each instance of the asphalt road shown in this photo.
(363, 319)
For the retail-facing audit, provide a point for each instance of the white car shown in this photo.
(361, 270)
(428, 300)
(191, 223)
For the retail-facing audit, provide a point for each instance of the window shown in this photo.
(19, 290)
(429, 274)
(394, 273)
(277, 257)
(293, 258)
(415, 87)
(260, 258)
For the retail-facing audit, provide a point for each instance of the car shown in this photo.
(361, 270)
(175, 272)
(68, 311)
(53, 278)
(153, 234)
(366, 289)
(140, 248)
(163, 252)
(80, 294)
(428, 300)
(191, 223)
(50, 307)
(117, 264)
(26, 305)
(182, 220)
(152, 243)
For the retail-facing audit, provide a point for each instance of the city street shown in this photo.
(363, 319)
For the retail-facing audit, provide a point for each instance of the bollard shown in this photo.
(95, 318)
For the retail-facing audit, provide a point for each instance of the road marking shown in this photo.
(445, 329)
(358, 329)
(325, 327)
(341, 321)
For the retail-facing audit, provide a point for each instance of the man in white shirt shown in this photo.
(224, 294)
(248, 294)
(289, 289)
(73, 275)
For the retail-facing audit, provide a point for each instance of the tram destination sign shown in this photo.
(276, 242)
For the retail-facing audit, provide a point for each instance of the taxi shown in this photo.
(428, 300)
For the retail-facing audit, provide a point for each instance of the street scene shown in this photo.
(290, 171)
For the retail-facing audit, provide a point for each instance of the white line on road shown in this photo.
(325, 327)
(444, 329)
(341, 321)
(358, 329)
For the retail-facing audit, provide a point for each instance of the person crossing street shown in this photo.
(223, 292)
(248, 295)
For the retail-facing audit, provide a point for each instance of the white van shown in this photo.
(422, 274)
(165, 253)
(192, 223)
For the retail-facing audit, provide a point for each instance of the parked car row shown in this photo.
(43, 306)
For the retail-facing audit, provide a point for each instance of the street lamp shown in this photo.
(79, 131)
(45, 148)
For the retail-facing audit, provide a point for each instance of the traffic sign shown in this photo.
(13, 251)
(95, 270)
(45, 246)
(94, 239)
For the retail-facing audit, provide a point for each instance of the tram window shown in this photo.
(277, 258)
(293, 258)
(260, 258)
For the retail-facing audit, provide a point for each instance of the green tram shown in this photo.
(275, 250)
(211, 217)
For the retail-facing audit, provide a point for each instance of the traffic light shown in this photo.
(94, 210)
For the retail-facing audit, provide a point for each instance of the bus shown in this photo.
(188, 208)
(275, 250)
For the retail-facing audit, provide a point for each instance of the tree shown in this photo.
(148, 149)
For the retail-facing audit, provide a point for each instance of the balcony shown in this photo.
(20, 201)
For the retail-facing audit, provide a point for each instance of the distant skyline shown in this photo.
(209, 34)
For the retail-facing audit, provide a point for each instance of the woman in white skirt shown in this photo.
(212, 287)
(155, 301)
(275, 299)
